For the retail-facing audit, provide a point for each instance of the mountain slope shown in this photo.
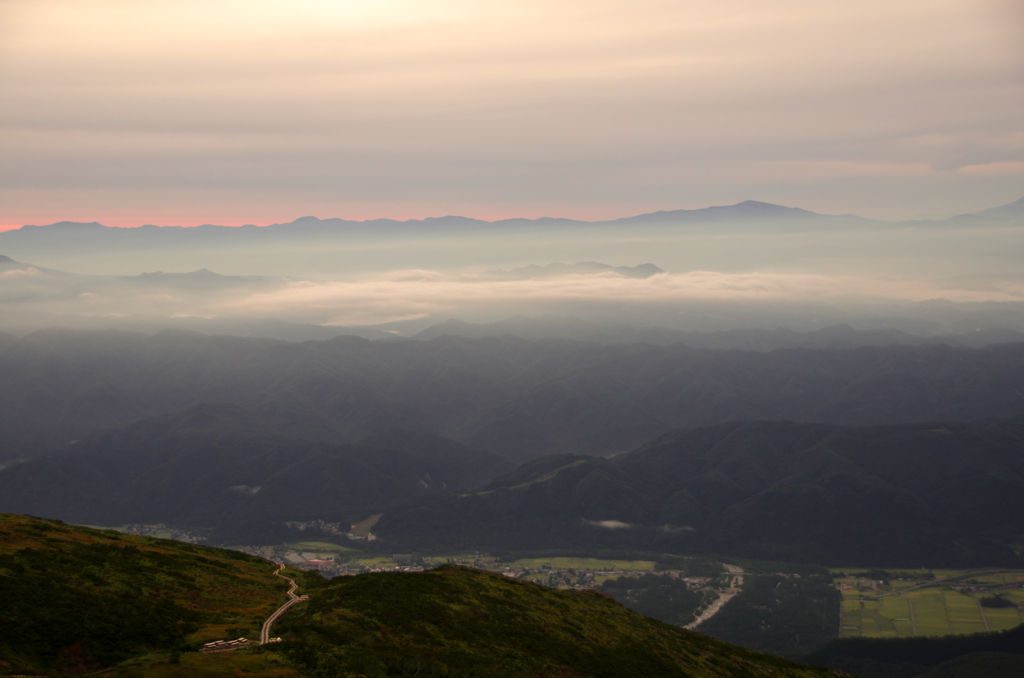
(835, 337)
(518, 398)
(219, 464)
(938, 493)
(77, 599)
(461, 622)
(1013, 211)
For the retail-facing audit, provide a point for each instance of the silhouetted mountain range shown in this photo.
(214, 464)
(748, 210)
(189, 429)
(950, 493)
(521, 399)
(838, 336)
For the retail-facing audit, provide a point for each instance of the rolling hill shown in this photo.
(455, 621)
(520, 399)
(78, 600)
(938, 493)
(217, 465)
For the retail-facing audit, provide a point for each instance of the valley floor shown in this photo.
(948, 605)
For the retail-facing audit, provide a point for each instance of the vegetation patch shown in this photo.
(785, 615)
(456, 621)
(912, 657)
(565, 563)
(662, 597)
(364, 527)
(78, 599)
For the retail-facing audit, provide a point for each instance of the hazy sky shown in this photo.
(225, 111)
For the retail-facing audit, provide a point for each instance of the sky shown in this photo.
(231, 112)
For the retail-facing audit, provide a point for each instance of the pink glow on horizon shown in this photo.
(584, 213)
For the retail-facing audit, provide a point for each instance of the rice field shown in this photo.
(379, 561)
(875, 610)
(593, 564)
(319, 547)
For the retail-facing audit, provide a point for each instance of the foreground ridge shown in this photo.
(145, 606)
(459, 621)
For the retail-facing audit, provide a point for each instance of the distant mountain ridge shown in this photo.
(747, 210)
(1014, 210)
(836, 336)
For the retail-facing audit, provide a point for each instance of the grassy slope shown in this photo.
(119, 596)
(458, 621)
(79, 599)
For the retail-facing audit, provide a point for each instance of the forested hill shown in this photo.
(515, 397)
(939, 493)
(222, 466)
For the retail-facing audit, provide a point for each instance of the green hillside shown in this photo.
(456, 621)
(79, 600)
(945, 494)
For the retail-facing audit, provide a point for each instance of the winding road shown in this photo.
(265, 631)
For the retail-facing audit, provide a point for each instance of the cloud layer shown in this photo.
(406, 295)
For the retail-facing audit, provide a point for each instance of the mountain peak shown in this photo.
(746, 210)
(1013, 210)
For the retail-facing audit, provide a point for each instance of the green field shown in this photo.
(318, 547)
(364, 527)
(593, 564)
(938, 609)
(379, 561)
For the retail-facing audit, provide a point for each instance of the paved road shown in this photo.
(983, 617)
(724, 598)
(265, 632)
